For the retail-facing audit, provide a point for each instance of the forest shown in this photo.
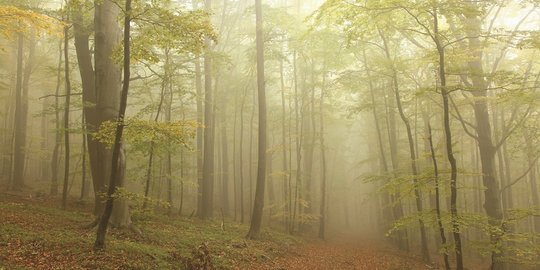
(277, 134)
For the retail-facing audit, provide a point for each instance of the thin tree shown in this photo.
(55, 159)
(322, 222)
(258, 204)
(19, 139)
(437, 195)
(448, 136)
(207, 195)
(66, 117)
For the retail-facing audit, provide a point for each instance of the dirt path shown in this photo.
(341, 256)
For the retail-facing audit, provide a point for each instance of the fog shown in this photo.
(411, 124)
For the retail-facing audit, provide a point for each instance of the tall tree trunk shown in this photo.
(449, 147)
(225, 162)
(250, 157)
(198, 87)
(299, 138)
(106, 95)
(322, 221)
(116, 169)
(395, 200)
(241, 155)
(84, 184)
(286, 173)
(484, 137)
(412, 153)
(387, 214)
(258, 204)
(207, 205)
(168, 115)
(532, 180)
(307, 173)
(149, 169)
(235, 171)
(55, 159)
(27, 73)
(44, 147)
(66, 117)
(437, 195)
(20, 123)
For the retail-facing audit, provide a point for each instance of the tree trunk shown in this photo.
(44, 147)
(117, 167)
(258, 204)
(106, 95)
(66, 117)
(286, 173)
(55, 159)
(387, 214)
(84, 184)
(299, 139)
(449, 150)
(20, 123)
(437, 195)
(484, 137)
(240, 157)
(412, 153)
(322, 221)
(207, 205)
(397, 204)
(225, 163)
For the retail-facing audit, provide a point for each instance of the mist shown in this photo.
(171, 134)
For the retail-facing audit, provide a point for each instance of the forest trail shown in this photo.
(343, 255)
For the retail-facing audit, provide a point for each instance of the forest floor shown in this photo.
(343, 255)
(36, 234)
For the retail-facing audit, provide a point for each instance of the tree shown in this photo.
(258, 204)
(115, 164)
(207, 194)
(101, 96)
(66, 117)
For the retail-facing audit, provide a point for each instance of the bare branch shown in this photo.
(531, 166)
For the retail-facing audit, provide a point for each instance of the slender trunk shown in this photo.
(66, 117)
(55, 160)
(225, 164)
(250, 157)
(198, 87)
(449, 150)
(395, 199)
(309, 118)
(20, 134)
(240, 158)
(532, 180)
(207, 198)
(437, 196)
(258, 204)
(299, 139)
(235, 172)
(168, 165)
(84, 184)
(322, 222)
(387, 214)
(286, 173)
(412, 153)
(44, 147)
